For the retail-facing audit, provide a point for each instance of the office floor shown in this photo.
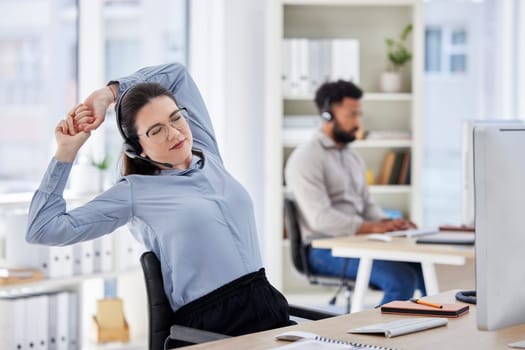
(298, 291)
(450, 277)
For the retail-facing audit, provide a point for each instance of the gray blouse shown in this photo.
(330, 189)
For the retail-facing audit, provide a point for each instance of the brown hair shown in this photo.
(130, 104)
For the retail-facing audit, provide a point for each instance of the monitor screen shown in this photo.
(467, 165)
(499, 188)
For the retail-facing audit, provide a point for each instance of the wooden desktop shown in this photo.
(460, 333)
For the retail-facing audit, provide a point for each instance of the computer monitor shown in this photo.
(467, 165)
(499, 187)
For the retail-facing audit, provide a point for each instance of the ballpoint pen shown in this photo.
(422, 302)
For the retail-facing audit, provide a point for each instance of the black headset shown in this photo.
(326, 114)
(132, 147)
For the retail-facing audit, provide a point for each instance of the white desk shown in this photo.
(399, 249)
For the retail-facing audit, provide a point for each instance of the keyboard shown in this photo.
(401, 326)
(413, 232)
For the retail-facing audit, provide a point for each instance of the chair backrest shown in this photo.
(299, 251)
(161, 316)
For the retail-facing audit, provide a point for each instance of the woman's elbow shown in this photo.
(39, 235)
(32, 236)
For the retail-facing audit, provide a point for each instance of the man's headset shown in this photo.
(326, 114)
(132, 147)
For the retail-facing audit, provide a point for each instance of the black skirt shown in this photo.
(245, 305)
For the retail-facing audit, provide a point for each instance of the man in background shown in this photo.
(327, 180)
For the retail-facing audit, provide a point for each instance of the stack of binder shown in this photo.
(47, 321)
(116, 251)
(307, 63)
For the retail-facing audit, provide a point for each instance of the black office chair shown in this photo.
(164, 333)
(299, 253)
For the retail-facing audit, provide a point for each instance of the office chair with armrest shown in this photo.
(160, 315)
(299, 253)
(164, 333)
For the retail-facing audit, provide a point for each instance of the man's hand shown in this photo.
(69, 138)
(98, 102)
(385, 226)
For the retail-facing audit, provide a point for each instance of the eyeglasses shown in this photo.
(159, 133)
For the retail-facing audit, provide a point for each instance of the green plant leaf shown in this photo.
(406, 31)
(103, 164)
(397, 52)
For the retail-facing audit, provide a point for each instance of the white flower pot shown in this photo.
(391, 82)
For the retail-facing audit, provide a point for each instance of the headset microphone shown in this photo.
(130, 152)
(168, 165)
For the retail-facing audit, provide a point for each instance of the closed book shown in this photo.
(408, 179)
(405, 168)
(386, 168)
(396, 168)
(457, 228)
(411, 308)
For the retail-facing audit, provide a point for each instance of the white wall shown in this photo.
(493, 88)
(504, 49)
(227, 61)
(449, 99)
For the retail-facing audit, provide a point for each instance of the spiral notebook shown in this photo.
(307, 341)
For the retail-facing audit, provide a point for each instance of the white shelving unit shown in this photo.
(370, 22)
(83, 286)
(88, 287)
(49, 285)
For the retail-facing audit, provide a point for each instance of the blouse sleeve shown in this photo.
(177, 79)
(50, 223)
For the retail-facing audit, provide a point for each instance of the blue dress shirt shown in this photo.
(198, 221)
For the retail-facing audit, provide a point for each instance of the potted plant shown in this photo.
(398, 55)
